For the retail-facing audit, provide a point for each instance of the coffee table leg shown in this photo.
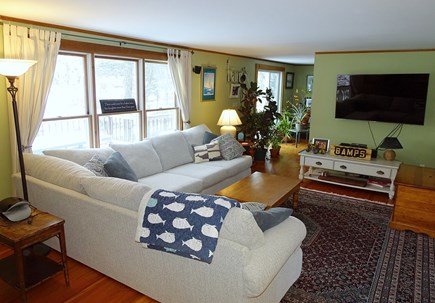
(295, 199)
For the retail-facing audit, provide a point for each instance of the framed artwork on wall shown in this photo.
(208, 84)
(235, 90)
(310, 80)
(289, 79)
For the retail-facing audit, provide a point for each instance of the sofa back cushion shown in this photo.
(80, 156)
(173, 150)
(57, 171)
(120, 192)
(195, 135)
(141, 156)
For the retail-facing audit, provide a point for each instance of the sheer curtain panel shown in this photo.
(33, 87)
(179, 62)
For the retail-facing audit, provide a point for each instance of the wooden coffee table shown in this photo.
(272, 190)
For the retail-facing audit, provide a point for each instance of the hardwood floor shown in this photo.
(88, 285)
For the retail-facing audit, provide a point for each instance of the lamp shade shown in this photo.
(391, 143)
(14, 67)
(229, 117)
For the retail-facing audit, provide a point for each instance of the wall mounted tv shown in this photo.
(395, 98)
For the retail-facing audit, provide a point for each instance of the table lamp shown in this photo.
(227, 120)
(11, 69)
(389, 144)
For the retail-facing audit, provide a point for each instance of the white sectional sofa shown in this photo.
(101, 217)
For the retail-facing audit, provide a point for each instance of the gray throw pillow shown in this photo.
(117, 167)
(96, 165)
(273, 216)
(230, 147)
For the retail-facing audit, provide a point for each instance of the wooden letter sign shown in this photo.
(351, 152)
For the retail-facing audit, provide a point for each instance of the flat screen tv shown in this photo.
(395, 98)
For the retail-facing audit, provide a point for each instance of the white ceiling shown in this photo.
(279, 30)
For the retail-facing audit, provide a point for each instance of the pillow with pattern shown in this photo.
(96, 165)
(207, 152)
(230, 148)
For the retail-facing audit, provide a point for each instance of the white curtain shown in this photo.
(180, 68)
(33, 87)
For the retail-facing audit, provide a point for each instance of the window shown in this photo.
(73, 116)
(160, 110)
(270, 77)
(67, 122)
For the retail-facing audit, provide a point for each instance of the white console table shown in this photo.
(376, 168)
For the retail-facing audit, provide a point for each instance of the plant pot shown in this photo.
(298, 127)
(260, 154)
(274, 152)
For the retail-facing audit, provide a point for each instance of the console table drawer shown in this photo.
(321, 163)
(362, 169)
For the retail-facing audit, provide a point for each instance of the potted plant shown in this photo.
(284, 125)
(275, 145)
(298, 112)
(257, 126)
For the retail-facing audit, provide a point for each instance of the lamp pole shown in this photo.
(13, 91)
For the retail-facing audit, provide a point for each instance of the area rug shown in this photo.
(351, 256)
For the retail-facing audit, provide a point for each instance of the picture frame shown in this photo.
(308, 101)
(322, 144)
(208, 84)
(289, 79)
(310, 81)
(235, 90)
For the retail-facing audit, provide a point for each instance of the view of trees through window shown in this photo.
(73, 116)
(269, 79)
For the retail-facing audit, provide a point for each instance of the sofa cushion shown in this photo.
(173, 150)
(195, 135)
(57, 171)
(208, 175)
(232, 167)
(80, 156)
(173, 182)
(96, 165)
(141, 156)
(271, 217)
(239, 226)
(116, 166)
(123, 193)
(230, 147)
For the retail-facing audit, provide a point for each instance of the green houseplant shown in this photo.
(257, 125)
(298, 112)
(284, 125)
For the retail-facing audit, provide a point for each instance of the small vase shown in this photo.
(298, 127)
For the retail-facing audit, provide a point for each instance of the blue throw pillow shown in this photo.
(208, 136)
(117, 167)
(273, 216)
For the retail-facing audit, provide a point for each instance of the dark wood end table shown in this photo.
(25, 272)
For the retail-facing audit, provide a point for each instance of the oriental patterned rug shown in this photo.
(351, 256)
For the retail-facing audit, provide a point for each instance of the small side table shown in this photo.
(298, 134)
(25, 272)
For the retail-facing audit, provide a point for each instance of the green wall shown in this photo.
(418, 141)
(208, 112)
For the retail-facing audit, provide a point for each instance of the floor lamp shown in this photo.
(11, 69)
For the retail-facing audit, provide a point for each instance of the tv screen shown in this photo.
(395, 98)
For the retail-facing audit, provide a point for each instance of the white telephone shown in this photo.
(15, 209)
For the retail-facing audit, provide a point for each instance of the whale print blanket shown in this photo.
(182, 223)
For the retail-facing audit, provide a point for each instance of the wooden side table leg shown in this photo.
(20, 271)
(64, 255)
(296, 198)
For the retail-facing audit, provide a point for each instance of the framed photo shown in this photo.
(235, 90)
(308, 101)
(310, 80)
(243, 76)
(321, 144)
(289, 79)
(208, 84)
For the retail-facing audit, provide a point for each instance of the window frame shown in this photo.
(272, 68)
(91, 51)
